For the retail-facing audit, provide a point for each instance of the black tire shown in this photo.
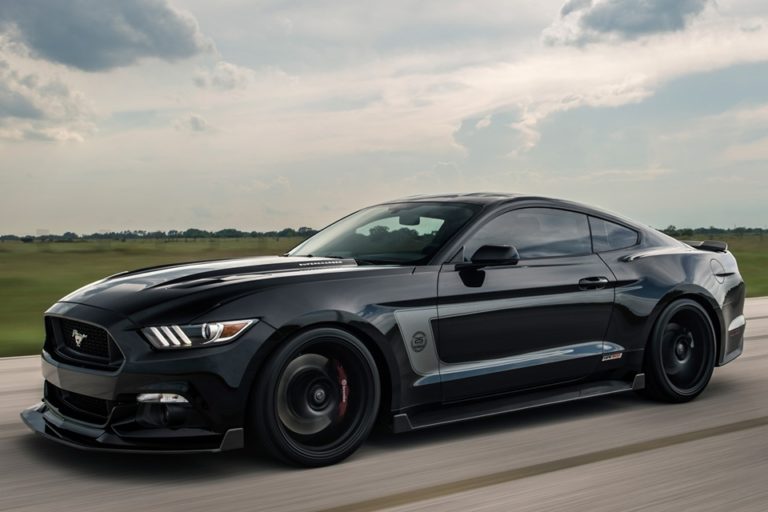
(680, 356)
(316, 399)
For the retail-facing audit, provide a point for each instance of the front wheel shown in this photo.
(680, 356)
(317, 398)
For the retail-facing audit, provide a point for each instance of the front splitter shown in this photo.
(46, 423)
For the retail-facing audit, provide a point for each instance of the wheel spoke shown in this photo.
(317, 397)
(684, 357)
(323, 395)
(304, 405)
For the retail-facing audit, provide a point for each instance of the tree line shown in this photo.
(305, 232)
(712, 231)
(173, 234)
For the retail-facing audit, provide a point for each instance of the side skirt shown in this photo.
(405, 422)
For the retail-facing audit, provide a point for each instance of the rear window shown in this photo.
(609, 236)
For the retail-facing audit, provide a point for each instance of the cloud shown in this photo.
(733, 137)
(224, 76)
(14, 100)
(271, 184)
(751, 26)
(621, 175)
(587, 21)
(98, 35)
(573, 6)
(496, 136)
(194, 123)
(35, 109)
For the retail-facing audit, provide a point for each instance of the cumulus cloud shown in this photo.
(573, 6)
(35, 109)
(98, 35)
(225, 76)
(585, 21)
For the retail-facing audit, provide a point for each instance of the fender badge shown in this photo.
(419, 341)
(611, 357)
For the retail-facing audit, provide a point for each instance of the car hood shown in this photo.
(210, 282)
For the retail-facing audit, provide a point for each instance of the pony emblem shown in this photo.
(78, 337)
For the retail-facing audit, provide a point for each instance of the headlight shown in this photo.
(190, 336)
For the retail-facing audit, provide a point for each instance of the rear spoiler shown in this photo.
(708, 245)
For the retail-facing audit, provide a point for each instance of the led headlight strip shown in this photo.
(190, 336)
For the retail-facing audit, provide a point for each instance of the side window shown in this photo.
(535, 233)
(608, 236)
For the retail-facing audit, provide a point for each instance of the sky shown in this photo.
(256, 115)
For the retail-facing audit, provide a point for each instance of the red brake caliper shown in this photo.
(344, 383)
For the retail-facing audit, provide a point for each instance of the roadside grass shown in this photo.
(34, 275)
(752, 254)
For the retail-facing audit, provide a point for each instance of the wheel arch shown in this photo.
(702, 297)
(373, 340)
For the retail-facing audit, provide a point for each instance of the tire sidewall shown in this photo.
(264, 411)
(659, 379)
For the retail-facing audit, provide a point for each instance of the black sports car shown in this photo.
(416, 313)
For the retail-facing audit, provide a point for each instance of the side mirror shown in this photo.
(495, 255)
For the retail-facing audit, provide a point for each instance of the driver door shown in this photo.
(538, 322)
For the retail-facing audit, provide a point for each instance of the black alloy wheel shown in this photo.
(680, 356)
(317, 398)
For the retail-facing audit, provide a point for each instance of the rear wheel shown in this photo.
(680, 356)
(317, 398)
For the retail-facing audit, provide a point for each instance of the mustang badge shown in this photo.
(78, 337)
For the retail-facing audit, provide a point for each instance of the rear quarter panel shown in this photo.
(649, 280)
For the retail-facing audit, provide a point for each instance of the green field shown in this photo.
(35, 275)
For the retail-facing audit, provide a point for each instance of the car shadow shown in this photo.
(167, 468)
(509, 422)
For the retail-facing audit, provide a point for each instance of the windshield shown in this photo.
(402, 233)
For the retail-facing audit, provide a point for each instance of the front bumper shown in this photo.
(47, 422)
(98, 409)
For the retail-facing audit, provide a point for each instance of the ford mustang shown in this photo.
(412, 313)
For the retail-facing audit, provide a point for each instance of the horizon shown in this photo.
(301, 231)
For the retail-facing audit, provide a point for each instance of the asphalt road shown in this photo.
(618, 453)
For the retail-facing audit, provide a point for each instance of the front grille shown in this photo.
(81, 343)
(77, 406)
(93, 341)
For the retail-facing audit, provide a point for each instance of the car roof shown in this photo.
(483, 198)
(500, 198)
(488, 198)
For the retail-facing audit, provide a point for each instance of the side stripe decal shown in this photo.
(415, 326)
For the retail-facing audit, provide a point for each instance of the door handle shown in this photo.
(593, 283)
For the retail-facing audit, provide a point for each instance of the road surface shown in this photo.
(608, 454)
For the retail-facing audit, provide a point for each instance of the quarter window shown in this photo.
(535, 233)
(608, 236)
